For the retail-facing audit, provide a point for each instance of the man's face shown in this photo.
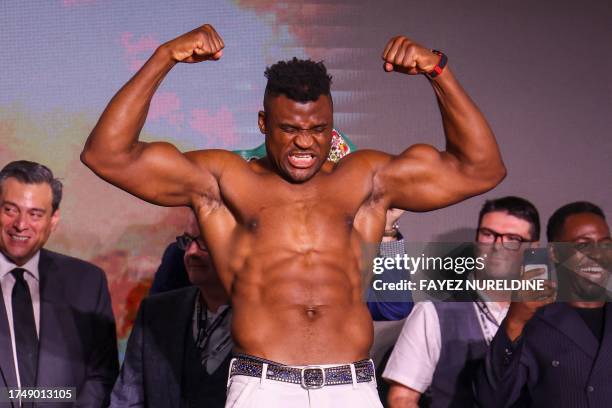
(27, 219)
(298, 135)
(197, 261)
(588, 258)
(501, 261)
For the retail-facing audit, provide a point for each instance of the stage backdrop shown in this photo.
(538, 70)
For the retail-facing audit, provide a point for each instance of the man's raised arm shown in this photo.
(156, 172)
(423, 178)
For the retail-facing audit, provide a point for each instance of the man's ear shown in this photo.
(55, 217)
(261, 121)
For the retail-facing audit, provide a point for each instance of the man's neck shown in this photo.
(7, 263)
(587, 305)
(213, 299)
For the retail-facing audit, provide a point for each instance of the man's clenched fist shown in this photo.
(403, 55)
(199, 45)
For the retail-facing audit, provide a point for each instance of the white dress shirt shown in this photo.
(7, 281)
(417, 351)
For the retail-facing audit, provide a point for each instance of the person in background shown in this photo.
(559, 354)
(56, 323)
(179, 351)
(436, 355)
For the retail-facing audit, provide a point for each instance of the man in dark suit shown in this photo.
(559, 354)
(179, 351)
(56, 324)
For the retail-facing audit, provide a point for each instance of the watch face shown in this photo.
(437, 70)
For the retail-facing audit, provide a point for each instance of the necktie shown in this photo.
(26, 339)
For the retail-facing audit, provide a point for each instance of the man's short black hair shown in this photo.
(33, 173)
(517, 207)
(556, 221)
(297, 79)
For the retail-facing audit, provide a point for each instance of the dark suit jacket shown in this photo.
(151, 375)
(171, 273)
(557, 362)
(77, 340)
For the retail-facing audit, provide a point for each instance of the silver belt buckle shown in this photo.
(312, 386)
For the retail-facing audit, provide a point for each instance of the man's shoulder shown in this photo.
(551, 312)
(168, 309)
(66, 261)
(68, 264)
(367, 157)
(550, 320)
(424, 307)
(171, 300)
(217, 160)
(423, 314)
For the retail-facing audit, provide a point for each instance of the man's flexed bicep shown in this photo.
(156, 172)
(423, 178)
(160, 174)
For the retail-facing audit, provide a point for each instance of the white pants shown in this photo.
(252, 392)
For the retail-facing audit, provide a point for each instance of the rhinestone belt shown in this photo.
(309, 377)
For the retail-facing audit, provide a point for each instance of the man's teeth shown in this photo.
(18, 238)
(302, 159)
(592, 269)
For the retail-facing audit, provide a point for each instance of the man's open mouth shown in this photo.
(593, 273)
(19, 239)
(301, 160)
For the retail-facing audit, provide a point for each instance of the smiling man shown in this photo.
(436, 355)
(286, 232)
(559, 354)
(56, 324)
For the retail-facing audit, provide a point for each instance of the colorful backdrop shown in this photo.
(539, 71)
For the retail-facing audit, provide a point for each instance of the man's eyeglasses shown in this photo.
(185, 240)
(512, 242)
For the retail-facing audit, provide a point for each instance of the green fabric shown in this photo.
(347, 140)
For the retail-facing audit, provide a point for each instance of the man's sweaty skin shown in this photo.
(286, 232)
